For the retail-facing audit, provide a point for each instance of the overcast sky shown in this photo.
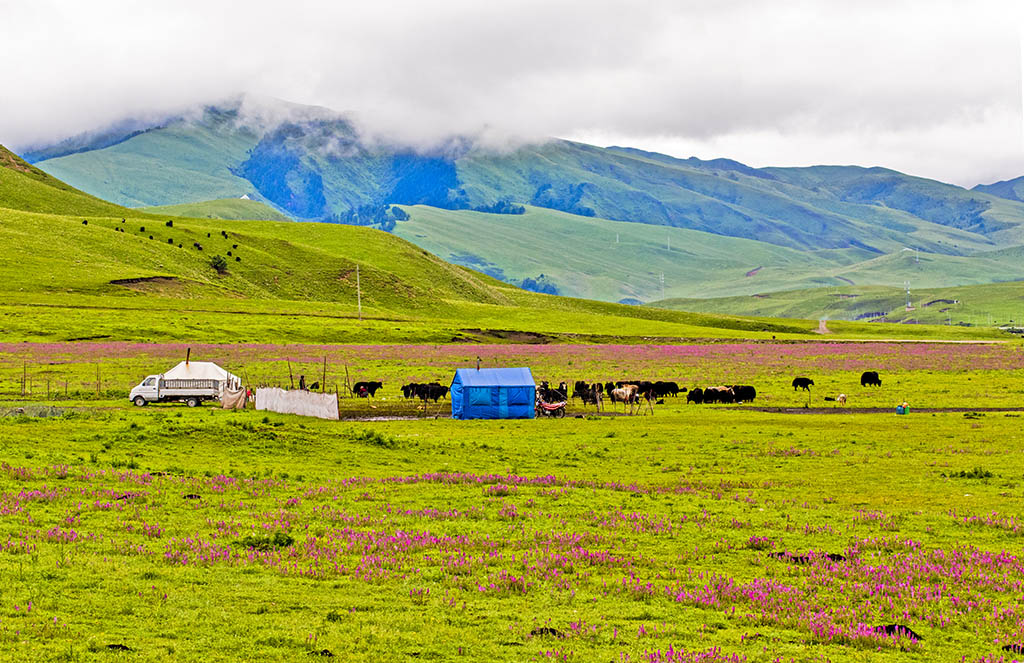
(929, 87)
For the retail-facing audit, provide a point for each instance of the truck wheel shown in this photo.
(192, 402)
(139, 401)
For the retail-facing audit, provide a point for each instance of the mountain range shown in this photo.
(610, 223)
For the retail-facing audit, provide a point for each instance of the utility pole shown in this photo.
(907, 285)
(668, 243)
(662, 279)
(359, 295)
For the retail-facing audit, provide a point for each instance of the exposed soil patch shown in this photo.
(491, 335)
(754, 271)
(145, 280)
(171, 286)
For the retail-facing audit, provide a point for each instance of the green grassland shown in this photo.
(170, 165)
(125, 275)
(225, 208)
(983, 305)
(612, 260)
(169, 533)
(155, 530)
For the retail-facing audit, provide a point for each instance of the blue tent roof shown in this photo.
(494, 377)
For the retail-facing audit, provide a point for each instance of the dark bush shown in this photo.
(219, 263)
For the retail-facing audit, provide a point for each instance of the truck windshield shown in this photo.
(149, 382)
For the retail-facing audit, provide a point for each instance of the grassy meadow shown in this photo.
(173, 534)
(169, 533)
(693, 533)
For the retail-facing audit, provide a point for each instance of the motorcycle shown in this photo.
(556, 410)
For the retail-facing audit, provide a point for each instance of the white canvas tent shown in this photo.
(203, 370)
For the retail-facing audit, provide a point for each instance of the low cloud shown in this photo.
(932, 88)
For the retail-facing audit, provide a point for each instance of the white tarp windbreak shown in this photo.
(305, 403)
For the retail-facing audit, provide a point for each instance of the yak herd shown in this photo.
(628, 392)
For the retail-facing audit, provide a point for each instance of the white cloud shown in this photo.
(927, 86)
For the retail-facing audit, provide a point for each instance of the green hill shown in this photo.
(26, 187)
(612, 260)
(129, 276)
(996, 304)
(312, 165)
(225, 208)
(687, 227)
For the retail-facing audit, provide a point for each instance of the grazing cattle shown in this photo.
(549, 395)
(802, 383)
(720, 394)
(363, 389)
(870, 378)
(432, 391)
(592, 396)
(841, 399)
(695, 395)
(627, 395)
(580, 388)
(663, 388)
(744, 393)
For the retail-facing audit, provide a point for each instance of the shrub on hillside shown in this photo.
(220, 263)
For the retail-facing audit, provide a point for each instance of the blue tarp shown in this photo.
(493, 393)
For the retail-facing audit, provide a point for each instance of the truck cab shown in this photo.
(146, 391)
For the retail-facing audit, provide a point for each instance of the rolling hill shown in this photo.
(225, 208)
(995, 304)
(547, 208)
(99, 271)
(616, 261)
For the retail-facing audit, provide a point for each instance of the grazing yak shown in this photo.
(551, 395)
(802, 383)
(364, 389)
(592, 395)
(870, 379)
(432, 391)
(695, 395)
(720, 394)
(664, 388)
(744, 393)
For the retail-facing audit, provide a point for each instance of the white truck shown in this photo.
(188, 382)
(157, 389)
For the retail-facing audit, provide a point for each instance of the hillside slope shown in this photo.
(25, 187)
(314, 165)
(996, 304)
(125, 276)
(596, 258)
(1009, 189)
(225, 208)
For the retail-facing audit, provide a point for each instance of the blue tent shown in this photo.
(493, 393)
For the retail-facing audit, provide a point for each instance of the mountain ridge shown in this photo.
(311, 164)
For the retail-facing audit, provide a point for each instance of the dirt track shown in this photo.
(873, 410)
